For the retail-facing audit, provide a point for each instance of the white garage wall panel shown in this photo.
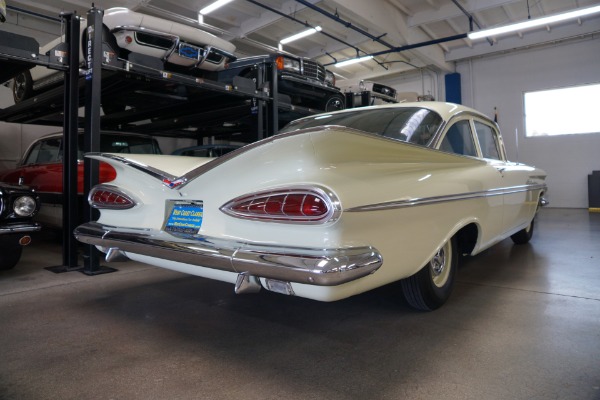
(500, 81)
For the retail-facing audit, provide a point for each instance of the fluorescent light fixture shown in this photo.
(213, 6)
(353, 61)
(532, 23)
(300, 35)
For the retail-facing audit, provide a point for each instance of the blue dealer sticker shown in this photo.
(185, 218)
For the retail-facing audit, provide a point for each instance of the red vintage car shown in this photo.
(41, 168)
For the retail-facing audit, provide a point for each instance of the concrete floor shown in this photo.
(523, 323)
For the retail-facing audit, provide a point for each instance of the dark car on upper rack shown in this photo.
(307, 83)
(18, 205)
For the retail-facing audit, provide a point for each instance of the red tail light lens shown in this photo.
(293, 205)
(109, 197)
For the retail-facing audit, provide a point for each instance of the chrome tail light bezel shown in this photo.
(131, 202)
(329, 198)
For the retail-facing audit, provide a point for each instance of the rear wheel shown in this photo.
(10, 253)
(429, 288)
(22, 87)
(524, 235)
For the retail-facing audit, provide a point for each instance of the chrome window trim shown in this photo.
(420, 201)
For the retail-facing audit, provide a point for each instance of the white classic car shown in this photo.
(334, 205)
(179, 46)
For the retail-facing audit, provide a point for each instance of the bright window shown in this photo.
(566, 111)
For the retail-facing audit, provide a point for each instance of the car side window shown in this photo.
(488, 141)
(459, 140)
(49, 151)
(33, 154)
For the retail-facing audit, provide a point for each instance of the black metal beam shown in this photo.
(70, 132)
(416, 45)
(91, 143)
(70, 205)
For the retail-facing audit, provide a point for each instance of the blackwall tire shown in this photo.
(334, 103)
(524, 235)
(22, 87)
(431, 287)
(10, 254)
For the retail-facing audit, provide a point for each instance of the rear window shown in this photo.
(128, 144)
(412, 124)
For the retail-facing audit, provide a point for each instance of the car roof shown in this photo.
(444, 109)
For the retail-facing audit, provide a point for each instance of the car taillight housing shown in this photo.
(109, 197)
(295, 205)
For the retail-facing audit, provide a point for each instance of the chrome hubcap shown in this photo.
(440, 265)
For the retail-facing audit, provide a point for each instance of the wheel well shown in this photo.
(466, 238)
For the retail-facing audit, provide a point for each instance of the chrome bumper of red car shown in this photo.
(20, 228)
(323, 267)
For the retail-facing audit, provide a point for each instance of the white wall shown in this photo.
(500, 81)
(15, 138)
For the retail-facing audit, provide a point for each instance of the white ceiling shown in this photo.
(389, 24)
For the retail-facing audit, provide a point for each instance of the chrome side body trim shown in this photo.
(443, 199)
(322, 267)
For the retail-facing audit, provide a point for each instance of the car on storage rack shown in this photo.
(41, 167)
(367, 93)
(18, 205)
(207, 150)
(180, 47)
(307, 83)
(334, 205)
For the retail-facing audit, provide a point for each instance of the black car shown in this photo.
(18, 205)
(306, 82)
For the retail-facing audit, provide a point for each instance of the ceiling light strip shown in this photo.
(353, 61)
(520, 26)
(300, 35)
(213, 6)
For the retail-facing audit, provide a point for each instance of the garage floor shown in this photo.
(522, 323)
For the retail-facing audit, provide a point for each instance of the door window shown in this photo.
(44, 152)
(459, 140)
(488, 141)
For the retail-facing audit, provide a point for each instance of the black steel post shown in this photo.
(69, 143)
(260, 120)
(71, 106)
(91, 143)
(274, 128)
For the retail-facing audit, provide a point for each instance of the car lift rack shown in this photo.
(151, 100)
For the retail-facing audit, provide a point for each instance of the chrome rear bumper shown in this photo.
(323, 267)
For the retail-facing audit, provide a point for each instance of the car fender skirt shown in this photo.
(322, 267)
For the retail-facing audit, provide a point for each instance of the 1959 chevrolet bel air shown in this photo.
(335, 205)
